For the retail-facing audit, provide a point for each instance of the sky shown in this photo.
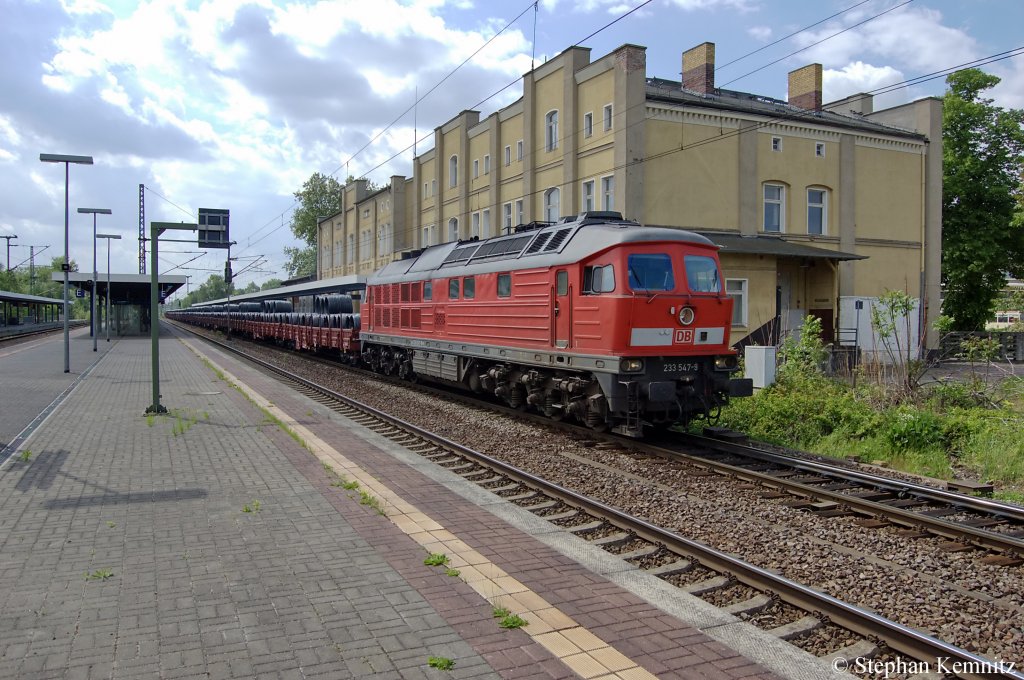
(235, 103)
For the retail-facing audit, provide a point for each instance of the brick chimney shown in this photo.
(805, 87)
(699, 68)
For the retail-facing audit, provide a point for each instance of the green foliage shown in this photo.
(512, 621)
(270, 284)
(452, 572)
(436, 560)
(99, 575)
(441, 663)
(25, 456)
(807, 355)
(300, 261)
(983, 155)
(909, 428)
(320, 196)
(254, 506)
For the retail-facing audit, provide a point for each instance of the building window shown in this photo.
(817, 211)
(476, 168)
(508, 156)
(426, 190)
(819, 149)
(519, 150)
(485, 224)
(453, 171)
(504, 285)
(453, 229)
(608, 192)
(474, 225)
(519, 211)
(774, 207)
(551, 130)
(426, 237)
(351, 254)
(588, 196)
(487, 164)
(552, 211)
(607, 117)
(433, 187)
(588, 124)
(506, 216)
(776, 143)
(737, 290)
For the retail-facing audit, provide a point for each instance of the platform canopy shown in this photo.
(131, 289)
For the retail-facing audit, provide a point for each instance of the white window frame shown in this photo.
(485, 223)
(453, 171)
(819, 149)
(776, 143)
(453, 229)
(607, 113)
(519, 211)
(608, 192)
(588, 199)
(506, 215)
(588, 124)
(519, 150)
(823, 206)
(781, 202)
(740, 300)
(476, 168)
(551, 130)
(552, 204)
(474, 226)
(508, 155)
(487, 164)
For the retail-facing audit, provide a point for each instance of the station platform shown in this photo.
(213, 542)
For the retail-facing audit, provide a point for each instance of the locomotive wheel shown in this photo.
(553, 407)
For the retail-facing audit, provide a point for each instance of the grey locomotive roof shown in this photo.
(560, 243)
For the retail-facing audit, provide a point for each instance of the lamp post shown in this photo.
(67, 161)
(155, 229)
(108, 237)
(93, 330)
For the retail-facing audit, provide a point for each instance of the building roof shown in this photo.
(133, 289)
(671, 91)
(337, 284)
(732, 242)
(7, 296)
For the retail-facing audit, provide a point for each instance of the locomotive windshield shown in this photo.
(702, 274)
(651, 272)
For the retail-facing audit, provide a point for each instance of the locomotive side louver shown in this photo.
(538, 243)
(557, 239)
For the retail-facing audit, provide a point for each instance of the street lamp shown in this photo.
(155, 229)
(95, 275)
(108, 237)
(67, 161)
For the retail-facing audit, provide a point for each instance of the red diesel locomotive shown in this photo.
(598, 318)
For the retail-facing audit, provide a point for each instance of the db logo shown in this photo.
(684, 336)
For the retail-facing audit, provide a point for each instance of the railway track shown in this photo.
(667, 552)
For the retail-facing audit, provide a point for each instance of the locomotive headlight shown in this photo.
(631, 365)
(726, 363)
(686, 316)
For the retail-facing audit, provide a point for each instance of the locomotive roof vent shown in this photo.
(538, 243)
(557, 239)
(601, 216)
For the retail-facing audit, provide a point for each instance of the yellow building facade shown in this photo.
(814, 205)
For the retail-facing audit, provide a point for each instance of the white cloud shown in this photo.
(760, 33)
(855, 78)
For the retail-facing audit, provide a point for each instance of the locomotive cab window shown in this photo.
(562, 282)
(428, 287)
(702, 274)
(504, 285)
(469, 287)
(651, 271)
(599, 279)
(453, 289)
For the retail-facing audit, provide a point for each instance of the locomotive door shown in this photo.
(562, 310)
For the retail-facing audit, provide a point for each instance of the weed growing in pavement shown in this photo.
(111, 524)
(441, 663)
(366, 499)
(349, 485)
(507, 619)
(436, 560)
(150, 419)
(254, 506)
(25, 456)
(452, 572)
(99, 575)
(186, 555)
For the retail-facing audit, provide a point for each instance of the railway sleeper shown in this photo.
(797, 629)
(861, 649)
(618, 538)
(706, 586)
(543, 505)
(572, 512)
(587, 526)
(640, 552)
(677, 567)
(754, 605)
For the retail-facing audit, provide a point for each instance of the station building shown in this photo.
(815, 205)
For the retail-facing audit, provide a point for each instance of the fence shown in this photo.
(1011, 345)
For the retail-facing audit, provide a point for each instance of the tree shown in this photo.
(319, 196)
(271, 283)
(982, 238)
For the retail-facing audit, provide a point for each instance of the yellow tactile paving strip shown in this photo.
(586, 654)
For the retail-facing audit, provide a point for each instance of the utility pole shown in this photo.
(8, 250)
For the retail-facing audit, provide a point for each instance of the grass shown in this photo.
(452, 572)
(25, 456)
(441, 663)
(365, 498)
(99, 575)
(254, 506)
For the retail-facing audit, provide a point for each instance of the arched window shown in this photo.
(453, 229)
(552, 210)
(551, 130)
(453, 171)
